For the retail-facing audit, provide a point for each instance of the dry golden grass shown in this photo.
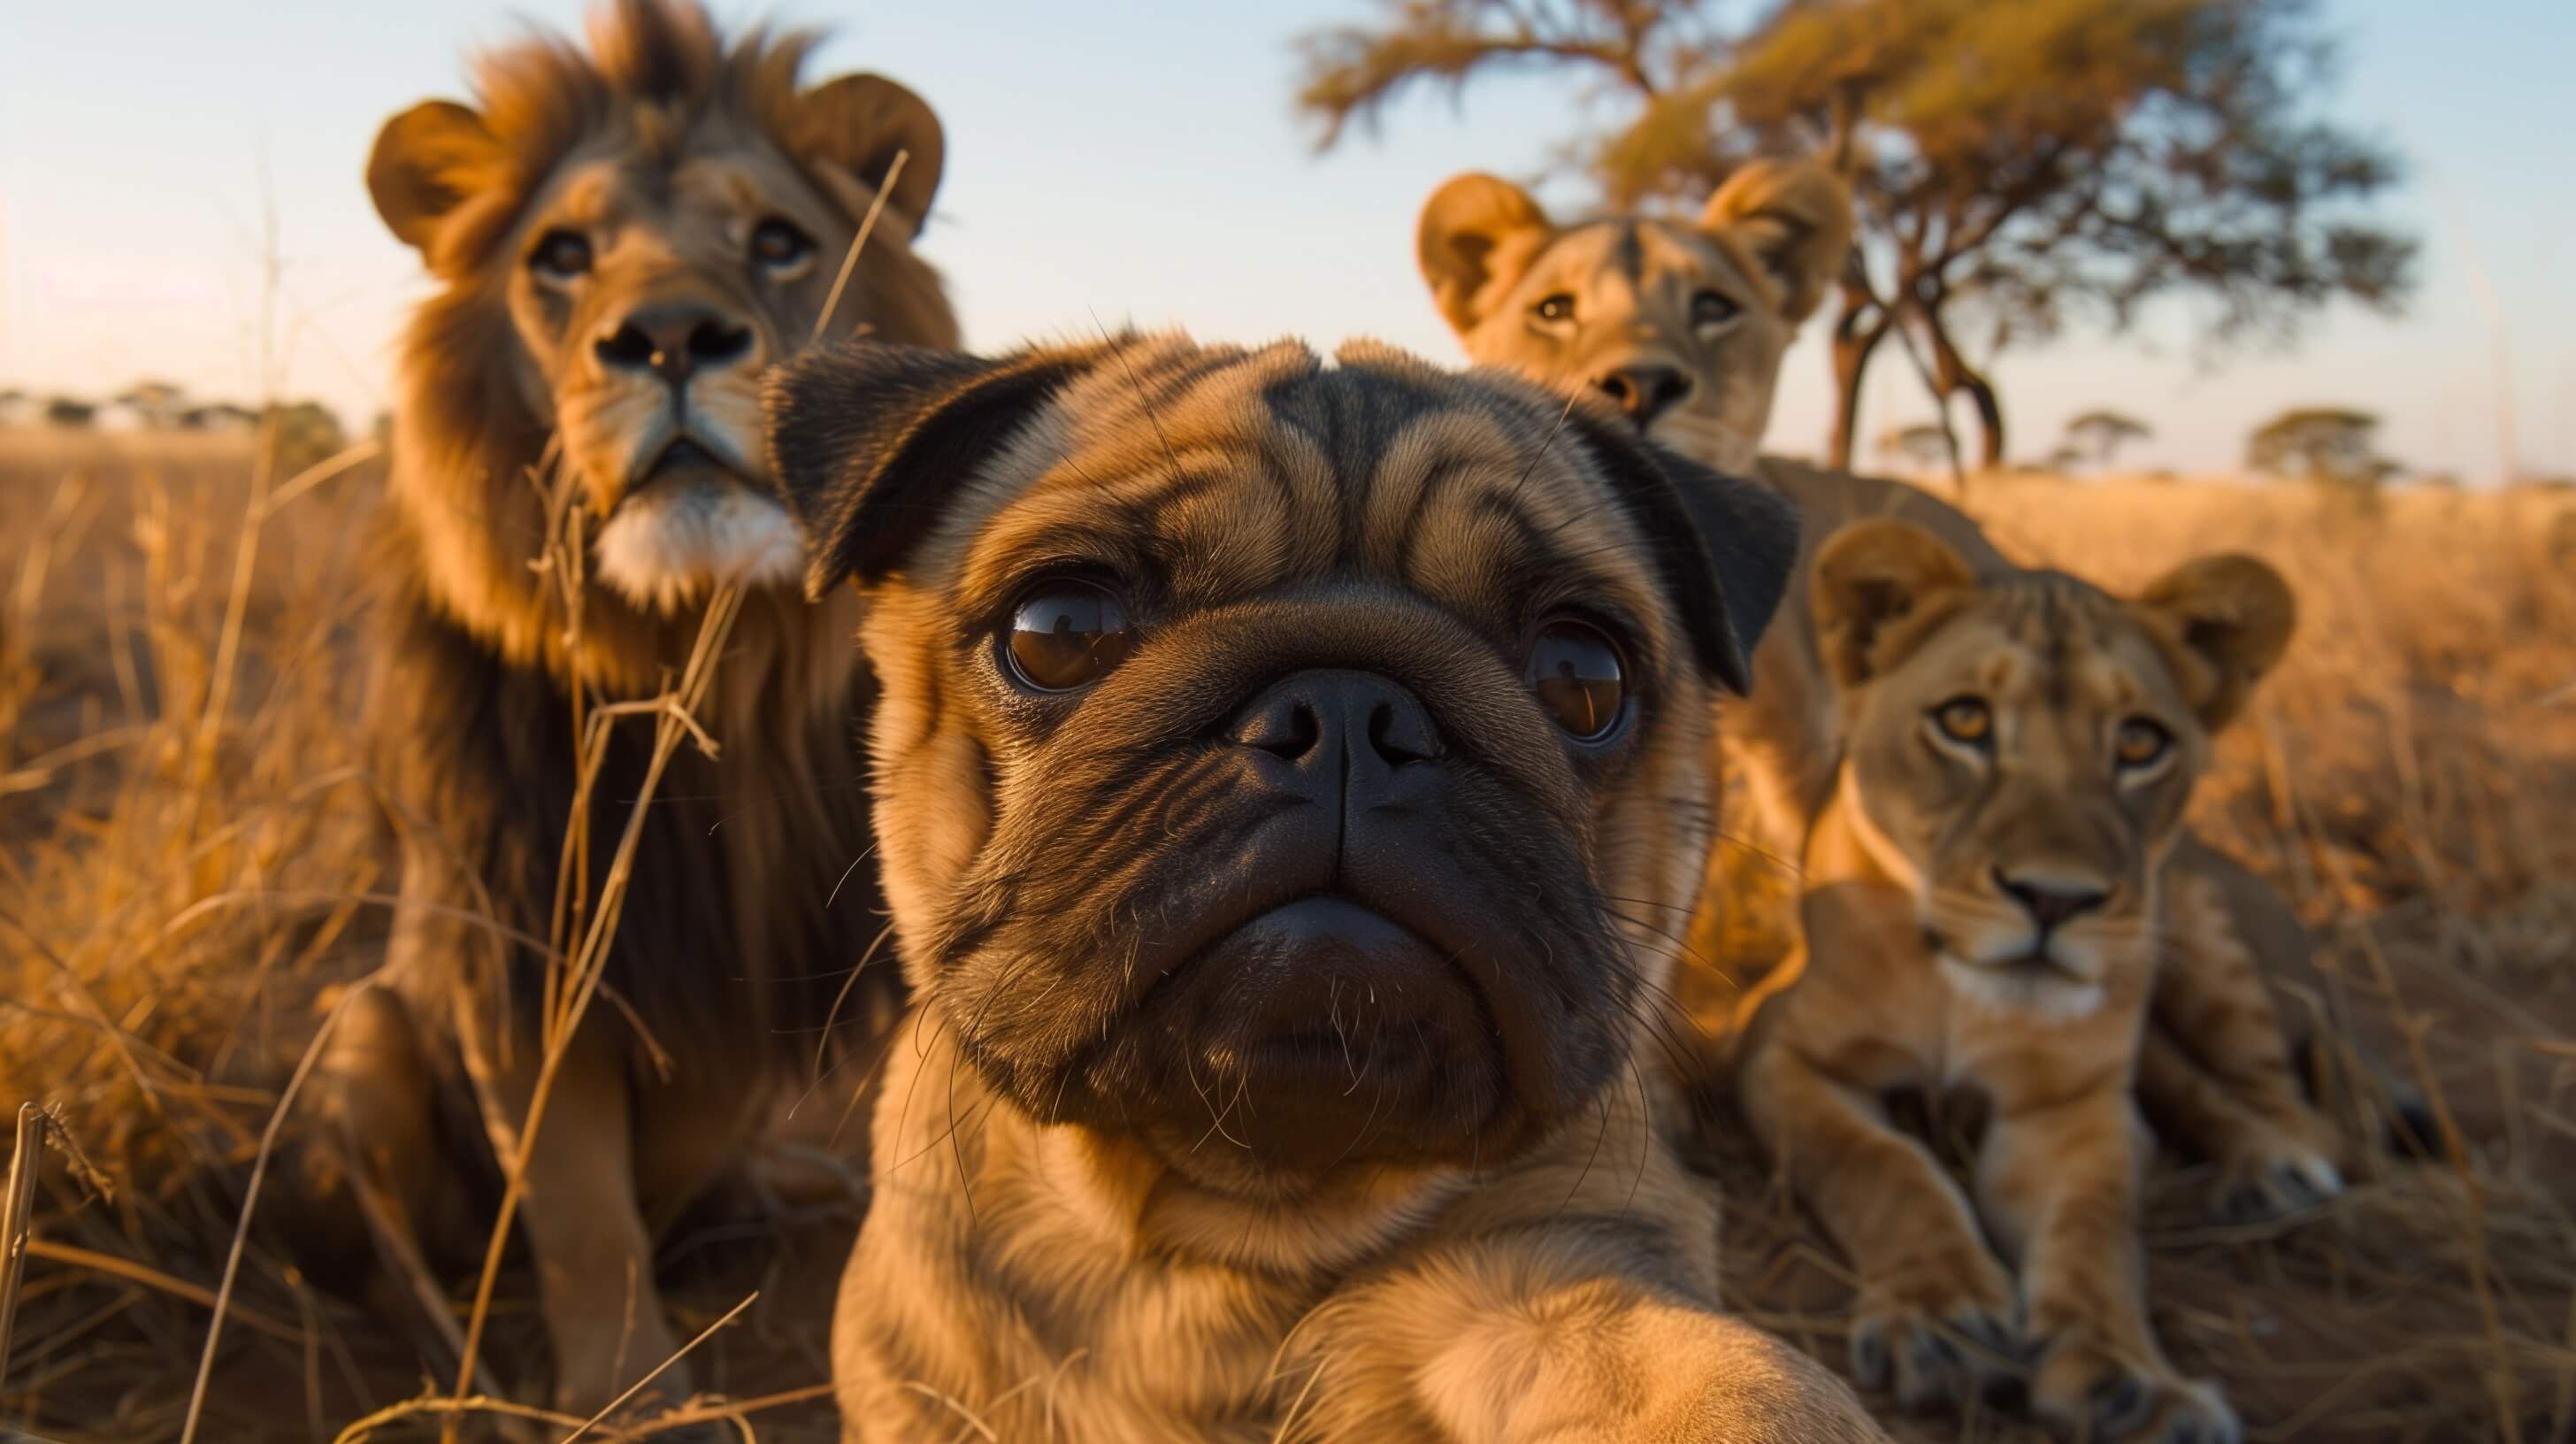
(192, 853)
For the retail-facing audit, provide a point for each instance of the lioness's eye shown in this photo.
(1711, 308)
(1965, 719)
(1576, 675)
(2141, 743)
(561, 254)
(1067, 634)
(1559, 307)
(775, 242)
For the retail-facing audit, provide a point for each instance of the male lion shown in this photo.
(623, 241)
(1271, 773)
(1984, 917)
(1682, 328)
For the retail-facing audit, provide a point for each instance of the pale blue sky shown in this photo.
(1141, 161)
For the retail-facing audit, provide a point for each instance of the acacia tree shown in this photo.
(1922, 445)
(2100, 433)
(2017, 163)
(2332, 444)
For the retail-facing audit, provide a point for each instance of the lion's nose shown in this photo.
(2052, 901)
(674, 342)
(1342, 733)
(1643, 392)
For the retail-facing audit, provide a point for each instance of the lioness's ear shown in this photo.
(2224, 621)
(867, 438)
(423, 166)
(1723, 547)
(1877, 586)
(1463, 225)
(859, 123)
(1796, 218)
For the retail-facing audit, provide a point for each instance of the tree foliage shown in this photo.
(2100, 433)
(1922, 445)
(2331, 444)
(2019, 164)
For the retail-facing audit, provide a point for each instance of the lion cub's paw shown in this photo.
(2090, 1392)
(1944, 1336)
(2281, 1177)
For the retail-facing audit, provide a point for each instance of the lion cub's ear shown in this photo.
(1796, 218)
(867, 439)
(860, 123)
(1462, 239)
(2224, 622)
(426, 161)
(1878, 587)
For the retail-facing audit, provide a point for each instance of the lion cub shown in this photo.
(1981, 916)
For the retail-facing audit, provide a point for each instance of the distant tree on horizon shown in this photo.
(70, 412)
(2334, 445)
(1922, 445)
(2100, 433)
(2018, 163)
(157, 405)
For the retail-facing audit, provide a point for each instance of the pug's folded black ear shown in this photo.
(1723, 546)
(867, 439)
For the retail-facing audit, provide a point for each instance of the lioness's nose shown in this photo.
(1644, 392)
(2052, 901)
(674, 342)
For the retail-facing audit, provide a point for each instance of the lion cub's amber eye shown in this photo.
(1711, 308)
(562, 254)
(1575, 672)
(2140, 743)
(1965, 719)
(1067, 634)
(1559, 307)
(775, 242)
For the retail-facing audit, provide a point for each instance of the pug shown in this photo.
(1289, 781)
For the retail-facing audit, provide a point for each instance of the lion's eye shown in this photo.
(1965, 719)
(776, 242)
(1067, 634)
(1711, 308)
(2141, 743)
(1559, 307)
(1576, 674)
(561, 254)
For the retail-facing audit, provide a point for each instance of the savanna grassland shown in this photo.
(193, 855)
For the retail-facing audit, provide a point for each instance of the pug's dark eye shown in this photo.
(1556, 308)
(2142, 742)
(561, 255)
(1576, 675)
(1710, 308)
(778, 243)
(1067, 634)
(1965, 719)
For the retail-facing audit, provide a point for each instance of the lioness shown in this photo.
(623, 241)
(1982, 913)
(1681, 327)
(1271, 771)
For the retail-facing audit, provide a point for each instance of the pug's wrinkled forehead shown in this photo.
(1224, 472)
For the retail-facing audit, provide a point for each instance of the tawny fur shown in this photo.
(1029, 1278)
(662, 146)
(1919, 973)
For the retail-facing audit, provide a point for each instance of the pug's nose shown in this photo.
(1342, 732)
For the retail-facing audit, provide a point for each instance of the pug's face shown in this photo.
(1293, 770)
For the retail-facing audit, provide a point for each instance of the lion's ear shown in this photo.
(1463, 226)
(423, 167)
(2225, 621)
(1796, 218)
(867, 439)
(860, 123)
(1722, 547)
(1870, 580)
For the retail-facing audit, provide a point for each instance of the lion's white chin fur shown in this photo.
(670, 546)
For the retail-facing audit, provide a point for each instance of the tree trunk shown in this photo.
(1954, 374)
(1859, 328)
